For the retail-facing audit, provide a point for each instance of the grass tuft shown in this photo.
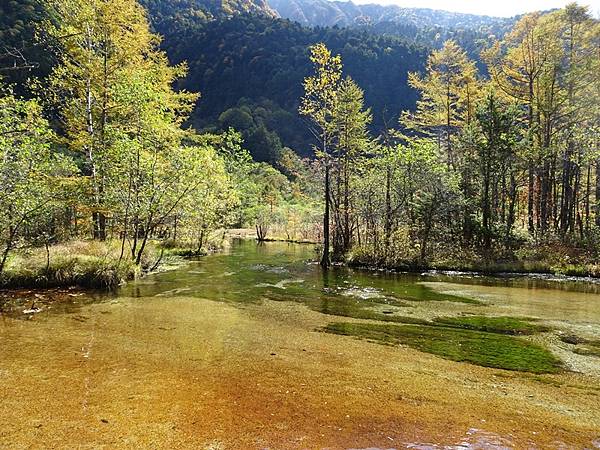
(88, 264)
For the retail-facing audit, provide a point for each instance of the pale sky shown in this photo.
(505, 8)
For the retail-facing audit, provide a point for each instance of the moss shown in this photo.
(546, 380)
(572, 339)
(500, 325)
(417, 292)
(586, 347)
(347, 309)
(588, 350)
(476, 347)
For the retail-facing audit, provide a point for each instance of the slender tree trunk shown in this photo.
(147, 231)
(448, 125)
(510, 218)
(427, 230)
(325, 257)
(574, 211)
(587, 197)
(4, 258)
(136, 234)
(598, 192)
(98, 222)
(565, 206)
(347, 237)
(261, 232)
(388, 209)
(530, 174)
(337, 213)
(201, 240)
(487, 238)
(10, 241)
(5, 253)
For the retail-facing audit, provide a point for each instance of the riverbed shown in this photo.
(232, 352)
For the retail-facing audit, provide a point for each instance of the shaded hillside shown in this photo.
(425, 26)
(21, 56)
(347, 13)
(207, 8)
(259, 63)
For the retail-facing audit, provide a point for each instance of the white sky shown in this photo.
(505, 8)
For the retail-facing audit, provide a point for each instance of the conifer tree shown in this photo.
(318, 106)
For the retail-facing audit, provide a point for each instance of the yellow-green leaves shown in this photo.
(448, 94)
(320, 92)
(31, 174)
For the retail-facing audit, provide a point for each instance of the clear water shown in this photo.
(226, 352)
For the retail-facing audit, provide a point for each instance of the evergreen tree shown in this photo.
(318, 105)
(352, 141)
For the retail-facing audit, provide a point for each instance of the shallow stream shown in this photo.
(257, 347)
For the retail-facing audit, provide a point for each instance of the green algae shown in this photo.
(582, 346)
(418, 292)
(475, 347)
(500, 325)
(357, 310)
(588, 350)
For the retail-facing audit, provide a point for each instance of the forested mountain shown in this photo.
(249, 67)
(185, 11)
(247, 64)
(20, 54)
(255, 65)
(346, 13)
(425, 26)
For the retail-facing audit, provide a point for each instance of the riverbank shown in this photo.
(100, 265)
(559, 261)
(88, 265)
(563, 262)
(250, 234)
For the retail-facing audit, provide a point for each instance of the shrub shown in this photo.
(90, 264)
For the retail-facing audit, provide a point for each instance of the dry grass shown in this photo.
(90, 264)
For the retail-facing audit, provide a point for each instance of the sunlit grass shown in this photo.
(89, 264)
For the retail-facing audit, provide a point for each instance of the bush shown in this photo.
(89, 264)
(213, 241)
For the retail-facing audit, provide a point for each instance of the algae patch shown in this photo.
(476, 347)
(358, 310)
(500, 325)
(418, 292)
(582, 346)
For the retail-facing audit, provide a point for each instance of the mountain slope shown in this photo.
(256, 65)
(187, 11)
(419, 25)
(347, 13)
